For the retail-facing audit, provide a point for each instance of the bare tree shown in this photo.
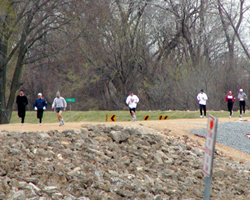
(164, 50)
(23, 26)
(234, 21)
(113, 51)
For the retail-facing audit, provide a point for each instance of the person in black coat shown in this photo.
(21, 101)
(40, 105)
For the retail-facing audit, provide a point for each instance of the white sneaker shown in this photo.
(205, 117)
(62, 121)
(134, 117)
(240, 116)
(40, 124)
(243, 114)
(60, 124)
(229, 117)
(201, 116)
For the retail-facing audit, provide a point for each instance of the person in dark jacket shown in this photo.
(40, 105)
(21, 101)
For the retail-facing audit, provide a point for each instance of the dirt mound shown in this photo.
(177, 127)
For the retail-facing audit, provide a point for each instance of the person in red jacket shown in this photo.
(230, 102)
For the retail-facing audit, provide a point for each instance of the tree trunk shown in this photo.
(6, 109)
(4, 117)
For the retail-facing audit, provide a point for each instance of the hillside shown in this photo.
(141, 160)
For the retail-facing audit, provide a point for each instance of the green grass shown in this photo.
(100, 116)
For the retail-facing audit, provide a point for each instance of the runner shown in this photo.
(59, 105)
(40, 105)
(202, 98)
(230, 102)
(242, 100)
(21, 101)
(132, 101)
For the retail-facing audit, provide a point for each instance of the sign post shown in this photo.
(70, 100)
(212, 124)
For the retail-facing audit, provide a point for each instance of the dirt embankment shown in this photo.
(178, 127)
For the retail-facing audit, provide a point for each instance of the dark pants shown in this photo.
(40, 115)
(230, 108)
(242, 106)
(203, 107)
(21, 113)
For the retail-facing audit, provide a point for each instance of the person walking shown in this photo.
(230, 99)
(132, 101)
(202, 99)
(59, 105)
(21, 101)
(40, 105)
(242, 101)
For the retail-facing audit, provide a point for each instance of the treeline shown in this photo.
(165, 51)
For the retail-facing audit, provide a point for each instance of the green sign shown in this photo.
(70, 100)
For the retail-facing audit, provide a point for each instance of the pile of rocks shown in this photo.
(99, 162)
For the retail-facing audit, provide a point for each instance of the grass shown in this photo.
(100, 116)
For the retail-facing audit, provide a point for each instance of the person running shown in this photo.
(202, 99)
(132, 101)
(242, 100)
(230, 102)
(21, 101)
(59, 105)
(40, 105)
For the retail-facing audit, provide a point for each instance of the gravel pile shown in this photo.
(232, 134)
(104, 163)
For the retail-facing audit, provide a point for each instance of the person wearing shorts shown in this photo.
(132, 101)
(59, 105)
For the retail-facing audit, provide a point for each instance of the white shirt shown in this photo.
(132, 101)
(202, 98)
